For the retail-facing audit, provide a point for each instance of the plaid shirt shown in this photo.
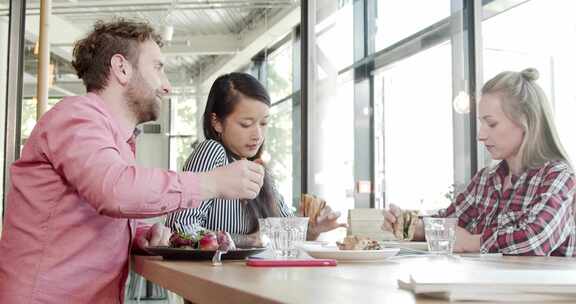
(535, 216)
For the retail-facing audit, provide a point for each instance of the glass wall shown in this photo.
(4, 24)
(279, 72)
(537, 34)
(398, 19)
(331, 107)
(386, 75)
(279, 146)
(183, 134)
(62, 80)
(418, 131)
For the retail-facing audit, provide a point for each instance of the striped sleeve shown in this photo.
(207, 156)
(285, 210)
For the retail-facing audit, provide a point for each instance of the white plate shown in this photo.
(351, 255)
(420, 246)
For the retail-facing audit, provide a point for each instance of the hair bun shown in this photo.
(530, 74)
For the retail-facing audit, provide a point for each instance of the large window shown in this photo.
(382, 125)
(279, 72)
(279, 147)
(183, 129)
(537, 34)
(398, 19)
(331, 108)
(417, 126)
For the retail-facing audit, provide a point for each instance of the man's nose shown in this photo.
(166, 87)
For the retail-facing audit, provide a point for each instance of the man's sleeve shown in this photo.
(80, 146)
(207, 156)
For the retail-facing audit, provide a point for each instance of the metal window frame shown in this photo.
(367, 61)
(14, 89)
(307, 87)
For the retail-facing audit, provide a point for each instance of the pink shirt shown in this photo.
(66, 235)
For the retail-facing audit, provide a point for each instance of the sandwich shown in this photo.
(405, 225)
(310, 207)
(354, 242)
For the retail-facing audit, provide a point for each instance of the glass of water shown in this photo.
(440, 234)
(284, 234)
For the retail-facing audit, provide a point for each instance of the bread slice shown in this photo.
(311, 207)
(399, 227)
(405, 225)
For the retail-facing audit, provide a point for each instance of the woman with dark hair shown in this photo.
(234, 124)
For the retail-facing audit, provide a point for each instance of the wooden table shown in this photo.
(367, 282)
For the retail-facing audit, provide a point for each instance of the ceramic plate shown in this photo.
(170, 253)
(350, 255)
(419, 246)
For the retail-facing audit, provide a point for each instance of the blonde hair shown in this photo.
(524, 102)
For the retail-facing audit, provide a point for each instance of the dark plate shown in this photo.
(170, 253)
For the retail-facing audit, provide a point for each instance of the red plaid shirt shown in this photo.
(535, 216)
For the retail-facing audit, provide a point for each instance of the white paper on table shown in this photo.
(495, 285)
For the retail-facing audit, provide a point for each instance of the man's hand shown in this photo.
(240, 179)
(327, 220)
(157, 235)
(465, 241)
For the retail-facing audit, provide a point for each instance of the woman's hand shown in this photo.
(247, 240)
(327, 220)
(466, 241)
(391, 217)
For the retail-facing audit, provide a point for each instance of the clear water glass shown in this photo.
(284, 234)
(440, 234)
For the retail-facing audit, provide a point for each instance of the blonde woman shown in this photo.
(524, 204)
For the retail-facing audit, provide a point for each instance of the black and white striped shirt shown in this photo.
(215, 214)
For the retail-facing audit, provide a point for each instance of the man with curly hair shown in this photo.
(76, 190)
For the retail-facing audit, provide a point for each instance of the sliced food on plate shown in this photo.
(354, 242)
(203, 240)
(405, 225)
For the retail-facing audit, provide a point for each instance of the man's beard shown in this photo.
(141, 99)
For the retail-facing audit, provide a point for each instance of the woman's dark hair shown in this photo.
(225, 93)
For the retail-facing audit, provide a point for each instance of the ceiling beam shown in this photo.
(187, 3)
(254, 42)
(204, 45)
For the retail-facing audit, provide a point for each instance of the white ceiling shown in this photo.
(210, 37)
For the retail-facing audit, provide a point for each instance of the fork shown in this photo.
(216, 259)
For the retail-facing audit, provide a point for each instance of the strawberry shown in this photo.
(209, 241)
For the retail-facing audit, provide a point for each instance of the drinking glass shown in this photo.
(440, 234)
(284, 234)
